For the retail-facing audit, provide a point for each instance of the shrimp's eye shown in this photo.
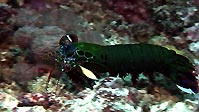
(72, 37)
(68, 38)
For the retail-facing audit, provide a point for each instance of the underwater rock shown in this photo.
(41, 42)
(36, 99)
(62, 18)
(6, 29)
(142, 31)
(37, 4)
(39, 85)
(46, 43)
(133, 11)
(23, 73)
(108, 95)
(158, 40)
(30, 109)
(192, 33)
(171, 17)
(24, 36)
(194, 47)
(179, 107)
(25, 17)
(7, 102)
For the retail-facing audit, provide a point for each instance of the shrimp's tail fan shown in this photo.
(188, 82)
(183, 74)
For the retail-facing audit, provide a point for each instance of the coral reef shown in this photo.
(6, 29)
(29, 38)
(109, 94)
(172, 16)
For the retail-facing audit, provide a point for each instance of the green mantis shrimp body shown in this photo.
(130, 58)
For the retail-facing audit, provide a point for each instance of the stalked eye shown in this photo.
(72, 37)
(68, 38)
